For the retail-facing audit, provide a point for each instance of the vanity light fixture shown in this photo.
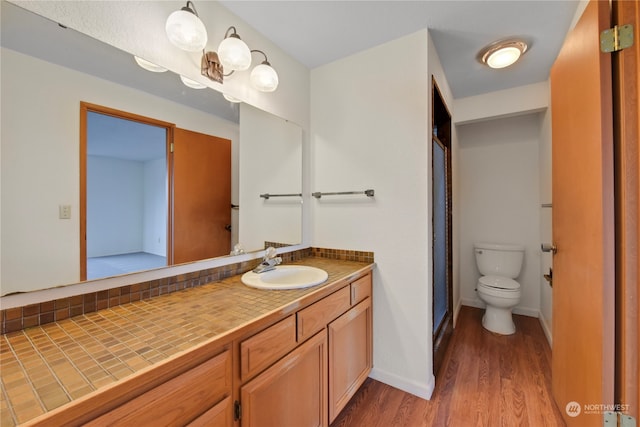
(233, 52)
(149, 66)
(185, 29)
(192, 83)
(231, 56)
(502, 53)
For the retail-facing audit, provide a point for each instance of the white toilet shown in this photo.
(499, 265)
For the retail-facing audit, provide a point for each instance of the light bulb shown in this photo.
(186, 31)
(234, 54)
(264, 78)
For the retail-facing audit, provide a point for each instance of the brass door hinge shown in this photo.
(616, 38)
(171, 147)
(616, 419)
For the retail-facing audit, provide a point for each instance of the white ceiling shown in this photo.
(319, 32)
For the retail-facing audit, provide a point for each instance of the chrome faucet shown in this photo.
(269, 261)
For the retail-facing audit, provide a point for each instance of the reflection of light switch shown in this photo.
(64, 211)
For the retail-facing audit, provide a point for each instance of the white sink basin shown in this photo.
(286, 277)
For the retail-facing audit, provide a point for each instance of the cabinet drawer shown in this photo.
(220, 415)
(176, 401)
(264, 348)
(360, 289)
(315, 317)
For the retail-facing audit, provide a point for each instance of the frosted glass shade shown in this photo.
(149, 66)
(234, 54)
(264, 78)
(503, 57)
(192, 83)
(186, 31)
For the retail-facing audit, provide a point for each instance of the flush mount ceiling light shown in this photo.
(233, 52)
(149, 66)
(502, 53)
(185, 29)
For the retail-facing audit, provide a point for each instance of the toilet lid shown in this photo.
(499, 282)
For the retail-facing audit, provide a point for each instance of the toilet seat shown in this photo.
(503, 284)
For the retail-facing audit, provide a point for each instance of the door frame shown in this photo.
(626, 93)
(85, 108)
(442, 335)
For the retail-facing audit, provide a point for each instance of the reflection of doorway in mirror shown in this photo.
(126, 195)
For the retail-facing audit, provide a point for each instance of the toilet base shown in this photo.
(498, 320)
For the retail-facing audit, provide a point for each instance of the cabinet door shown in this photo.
(350, 355)
(292, 392)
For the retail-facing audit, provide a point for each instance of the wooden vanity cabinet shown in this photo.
(350, 355)
(197, 397)
(291, 392)
(310, 385)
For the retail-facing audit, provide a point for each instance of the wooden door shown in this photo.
(201, 196)
(583, 222)
(292, 392)
(350, 355)
(626, 75)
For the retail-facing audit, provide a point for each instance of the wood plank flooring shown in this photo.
(486, 380)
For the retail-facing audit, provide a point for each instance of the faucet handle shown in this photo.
(270, 253)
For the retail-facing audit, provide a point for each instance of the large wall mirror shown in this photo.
(47, 72)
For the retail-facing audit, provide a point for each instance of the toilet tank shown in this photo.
(499, 260)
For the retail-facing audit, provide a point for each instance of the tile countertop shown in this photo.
(47, 366)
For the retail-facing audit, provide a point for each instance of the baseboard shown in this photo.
(456, 312)
(423, 391)
(524, 311)
(472, 302)
(546, 329)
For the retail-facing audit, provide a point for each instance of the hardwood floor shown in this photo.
(486, 380)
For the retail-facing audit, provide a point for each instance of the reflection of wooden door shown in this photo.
(201, 195)
(583, 222)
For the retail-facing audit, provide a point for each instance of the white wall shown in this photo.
(370, 129)
(52, 153)
(270, 162)
(500, 199)
(154, 236)
(115, 206)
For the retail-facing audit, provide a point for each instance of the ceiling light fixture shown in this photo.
(185, 29)
(149, 66)
(502, 53)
